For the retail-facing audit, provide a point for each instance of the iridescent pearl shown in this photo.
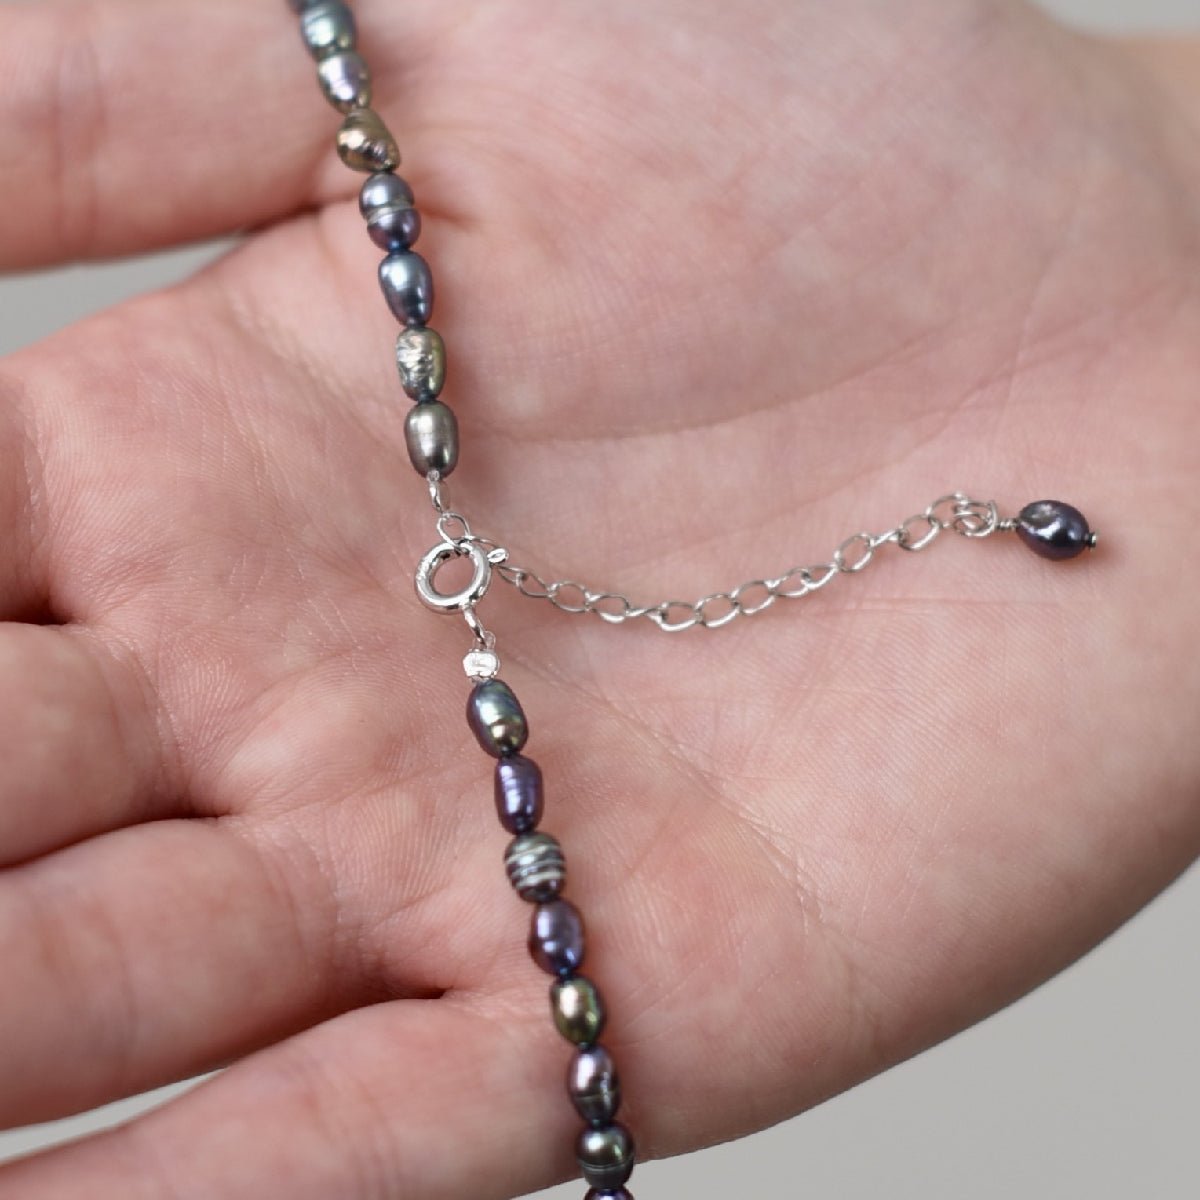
(407, 284)
(578, 1009)
(431, 436)
(536, 867)
(556, 937)
(518, 793)
(364, 142)
(421, 361)
(594, 1086)
(1053, 529)
(496, 717)
(608, 1194)
(345, 80)
(606, 1156)
(327, 27)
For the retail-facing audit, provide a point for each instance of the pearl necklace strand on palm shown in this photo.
(533, 859)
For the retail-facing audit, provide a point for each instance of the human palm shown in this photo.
(720, 286)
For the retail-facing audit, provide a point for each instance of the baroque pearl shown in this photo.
(364, 142)
(421, 361)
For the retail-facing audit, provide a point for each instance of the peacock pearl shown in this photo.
(556, 937)
(606, 1155)
(608, 1194)
(578, 1009)
(345, 80)
(407, 284)
(594, 1086)
(496, 717)
(518, 793)
(1053, 529)
(327, 27)
(536, 867)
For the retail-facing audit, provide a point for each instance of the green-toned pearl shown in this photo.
(496, 717)
(578, 1009)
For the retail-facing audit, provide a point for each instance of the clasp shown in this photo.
(481, 576)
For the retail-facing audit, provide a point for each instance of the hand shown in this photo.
(720, 285)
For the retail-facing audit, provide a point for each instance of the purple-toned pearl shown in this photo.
(556, 937)
(618, 1194)
(593, 1085)
(518, 793)
(395, 228)
(1053, 529)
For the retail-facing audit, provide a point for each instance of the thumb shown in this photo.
(1175, 63)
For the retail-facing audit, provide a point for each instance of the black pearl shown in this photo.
(1053, 529)
(518, 793)
(556, 937)
(593, 1085)
(606, 1156)
(578, 1009)
(608, 1194)
(431, 435)
(496, 718)
(407, 284)
(536, 867)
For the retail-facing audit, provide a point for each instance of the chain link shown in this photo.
(955, 510)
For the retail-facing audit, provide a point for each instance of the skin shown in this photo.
(721, 284)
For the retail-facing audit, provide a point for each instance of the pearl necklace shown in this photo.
(534, 860)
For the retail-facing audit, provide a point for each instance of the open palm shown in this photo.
(720, 285)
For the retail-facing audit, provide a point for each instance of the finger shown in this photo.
(1175, 63)
(24, 592)
(79, 738)
(422, 1098)
(151, 954)
(130, 124)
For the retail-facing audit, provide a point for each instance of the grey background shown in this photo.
(1087, 1088)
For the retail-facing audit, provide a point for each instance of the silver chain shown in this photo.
(955, 510)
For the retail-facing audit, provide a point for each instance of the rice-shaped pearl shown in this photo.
(536, 866)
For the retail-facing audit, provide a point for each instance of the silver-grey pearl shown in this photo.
(536, 866)
(578, 1009)
(606, 1156)
(298, 6)
(328, 27)
(364, 142)
(431, 435)
(594, 1086)
(421, 360)
(407, 284)
(386, 203)
(496, 718)
(384, 189)
(345, 80)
